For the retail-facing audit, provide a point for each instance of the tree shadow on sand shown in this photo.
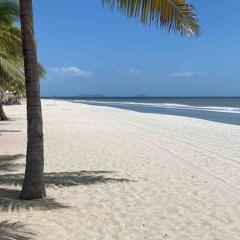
(66, 179)
(8, 162)
(9, 198)
(14, 231)
(9, 201)
(10, 131)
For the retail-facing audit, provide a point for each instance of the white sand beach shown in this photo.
(119, 174)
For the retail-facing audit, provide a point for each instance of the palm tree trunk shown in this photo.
(33, 185)
(3, 116)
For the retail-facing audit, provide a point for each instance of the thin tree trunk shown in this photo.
(3, 116)
(18, 101)
(33, 185)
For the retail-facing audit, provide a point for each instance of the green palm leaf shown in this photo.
(11, 59)
(10, 69)
(11, 54)
(170, 14)
(9, 11)
(10, 40)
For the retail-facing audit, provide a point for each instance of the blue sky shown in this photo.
(88, 49)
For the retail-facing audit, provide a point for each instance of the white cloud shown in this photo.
(134, 71)
(71, 71)
(187, 74)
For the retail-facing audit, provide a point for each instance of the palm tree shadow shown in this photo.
(10, 131)
(66, 179)
(9, 198)
(14, 231)
(10, 202)
(8, 162)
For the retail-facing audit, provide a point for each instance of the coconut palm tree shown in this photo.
(11, 60)
(33, 185)
(11, 55)
(172, 14)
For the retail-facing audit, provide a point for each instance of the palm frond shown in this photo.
(14, 231)
(10, 41)
(170, 14)
(9, 11)
(11, 54)
(10, 69)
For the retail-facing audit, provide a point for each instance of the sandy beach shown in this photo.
(122, 174)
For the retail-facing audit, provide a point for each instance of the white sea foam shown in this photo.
(169, 106)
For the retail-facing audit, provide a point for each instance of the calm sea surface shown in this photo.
(191, 101)
(223, 110)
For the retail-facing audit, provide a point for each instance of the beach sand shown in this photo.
(121, 174)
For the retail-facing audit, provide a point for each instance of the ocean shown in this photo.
(233, 102)
(192, 101)
(217, 109)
